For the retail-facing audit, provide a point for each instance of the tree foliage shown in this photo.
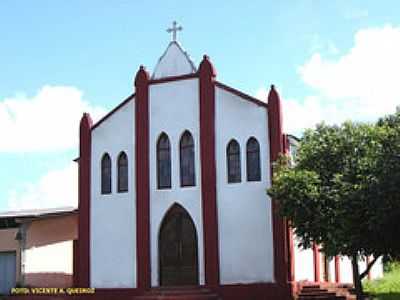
(343, 191)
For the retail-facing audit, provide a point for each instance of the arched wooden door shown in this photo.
(177, 249)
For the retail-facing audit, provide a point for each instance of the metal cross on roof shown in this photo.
(174, 30)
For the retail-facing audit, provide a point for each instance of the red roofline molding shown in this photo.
(178, 78)
(113, 111)
(240, 94)
(174, 78)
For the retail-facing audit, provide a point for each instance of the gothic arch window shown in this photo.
(163, 162)
(186, 154)
(122, 172)
(233, 162)
(253, 160)
(106, 174)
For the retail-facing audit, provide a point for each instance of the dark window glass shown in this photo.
(253, 160)
(122, 173)
(106, 174)
(163, 162)
(187, 160)
(233, 162)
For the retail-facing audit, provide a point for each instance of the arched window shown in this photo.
(106, 174)
(163, 162)
(253, 160)
(122, 173)
(233, 162)
(186, 147)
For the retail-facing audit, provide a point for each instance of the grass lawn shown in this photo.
(387, 288)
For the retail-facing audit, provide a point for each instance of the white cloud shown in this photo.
(48, 121)
(361, 84)
(57, 188)
(262, 94)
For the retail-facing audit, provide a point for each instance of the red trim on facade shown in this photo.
(113, 111)
(240, 94)
(85, 153)
(337, 269)
(316, 258)
(174, 78)
(142, 179)
(256, 291)
(276, 140)
(207, 76)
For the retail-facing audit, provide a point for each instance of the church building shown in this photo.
(172, 189)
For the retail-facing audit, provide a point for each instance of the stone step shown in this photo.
(311, 295)
(179, 297)
(179, 293)
(306, 291)
(318, 292)
(320, 297)
(311, 286)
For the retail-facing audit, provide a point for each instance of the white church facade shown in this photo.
(172, 190)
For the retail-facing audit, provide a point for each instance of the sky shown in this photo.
(330, 61)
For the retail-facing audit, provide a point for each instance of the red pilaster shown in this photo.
(142, 178)
(277, 144)
(207, 76)
(337, 269)
(316, 257)
(82, 277)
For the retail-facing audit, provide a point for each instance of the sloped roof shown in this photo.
(174, 62)
(37, 213)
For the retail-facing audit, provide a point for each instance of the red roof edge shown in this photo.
(241, 94)
(113, 111)
(173, 78)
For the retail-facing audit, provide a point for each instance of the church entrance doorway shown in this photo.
(177, 249)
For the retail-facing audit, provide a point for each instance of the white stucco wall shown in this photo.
(303, 262)
(113, 216)
(244, 209)
(332, 270)
(37, 259)
(174, 108)
(304, 267)
(173, 62)
(377, 269)
(346, 271)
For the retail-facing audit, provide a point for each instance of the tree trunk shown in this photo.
(356, 278)
(370, 265)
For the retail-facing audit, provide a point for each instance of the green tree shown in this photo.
(343, 192)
